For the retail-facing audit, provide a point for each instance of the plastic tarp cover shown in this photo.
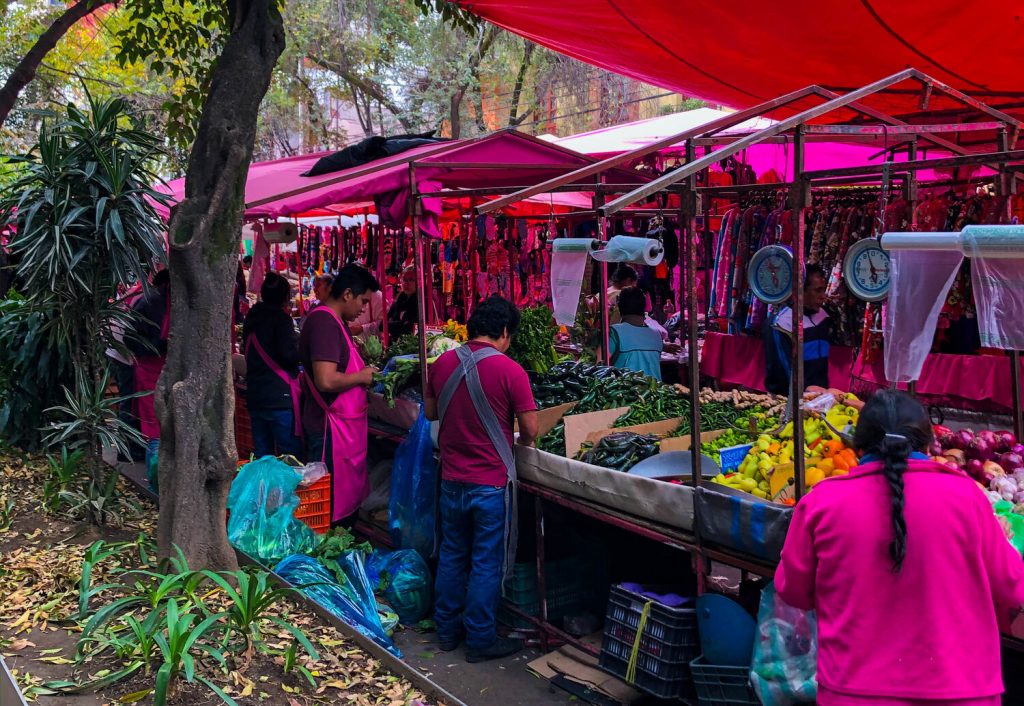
(262, 503)
(415, 483)
(920, 282)
(352, 600)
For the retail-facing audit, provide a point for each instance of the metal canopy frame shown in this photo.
(797, 130)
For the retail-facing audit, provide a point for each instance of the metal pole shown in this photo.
(798, 198)
(688, 230)
(602, 295)
(418, 257)
(1006, 187)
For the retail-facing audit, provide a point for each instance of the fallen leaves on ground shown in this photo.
(40, 568)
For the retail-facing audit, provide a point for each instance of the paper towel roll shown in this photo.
(627, 248)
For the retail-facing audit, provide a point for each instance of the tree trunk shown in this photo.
(26, 69)
(455, 117)
(514, 119)
(195, 396)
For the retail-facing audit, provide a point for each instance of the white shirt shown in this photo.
(784, 321)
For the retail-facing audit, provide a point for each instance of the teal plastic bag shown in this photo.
(262, 503)
(405, 582)
(785, 667)
(415, 492)
(348, 596)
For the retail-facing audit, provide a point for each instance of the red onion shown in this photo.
(1006, 441)
(1011, 462)
(950, 440)
(975, 469)
(980, 449)
(1017, 449)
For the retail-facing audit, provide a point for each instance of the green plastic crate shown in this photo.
(570, 589)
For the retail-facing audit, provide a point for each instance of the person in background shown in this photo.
(272, 367)
(478, 394)
(907, 569)
(817, 331)
(623, 277)
(334, 383)
(149, 347)
(633, 344)
(371, 319)
(404, 312)
(321, 289)
(241, 307)
(122, 363)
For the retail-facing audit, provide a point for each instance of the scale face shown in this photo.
(771, 274)
(866, 270)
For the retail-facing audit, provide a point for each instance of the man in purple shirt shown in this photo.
(478, 393)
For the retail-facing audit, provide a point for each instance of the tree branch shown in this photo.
(364, 85)
(27, 68)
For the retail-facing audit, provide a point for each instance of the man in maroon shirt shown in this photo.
(478, 393)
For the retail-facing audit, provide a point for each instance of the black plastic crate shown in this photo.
(668, 643)
(569, 584)
(722, 686)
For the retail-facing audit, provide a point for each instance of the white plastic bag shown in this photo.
(999, 294)
(920, 282)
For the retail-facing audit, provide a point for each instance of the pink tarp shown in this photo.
(275, 189)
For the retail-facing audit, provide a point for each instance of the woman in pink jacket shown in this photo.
(907, 569)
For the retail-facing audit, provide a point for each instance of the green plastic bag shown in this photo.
(1004, 509)
(262, 503)
(785, 667)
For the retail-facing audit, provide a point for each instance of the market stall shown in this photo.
(740, 520)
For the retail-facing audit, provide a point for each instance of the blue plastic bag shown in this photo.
(352, 600)
(412, 509)
(262, 502)
(406, 582)
(785, 667)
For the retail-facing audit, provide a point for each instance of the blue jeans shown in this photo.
(469, 569)
(274, 428)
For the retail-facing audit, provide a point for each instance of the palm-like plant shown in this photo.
(86, 227)
(86, 220)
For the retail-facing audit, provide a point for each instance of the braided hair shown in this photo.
(892, 426)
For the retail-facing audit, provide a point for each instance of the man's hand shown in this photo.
(365, 376)
(355, 329)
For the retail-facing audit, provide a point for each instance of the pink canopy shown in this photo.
(505, 158)
(763, 158)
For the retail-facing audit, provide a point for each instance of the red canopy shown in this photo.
(744, 52)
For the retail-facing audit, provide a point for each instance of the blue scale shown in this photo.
(867, 270)
(770, 274)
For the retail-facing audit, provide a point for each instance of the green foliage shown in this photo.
(180, 40)
(7, 512)
(451, 13)
(162, 623)
(35, 369)
(335, 543)
(62, 471)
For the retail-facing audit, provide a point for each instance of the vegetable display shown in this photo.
(620, 451)
(533, 345)
(372, 351)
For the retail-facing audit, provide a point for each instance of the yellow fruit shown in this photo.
(814, 476)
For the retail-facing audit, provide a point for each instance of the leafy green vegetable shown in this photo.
(335, 543)
(373, 351)
(408, 344)
(533, 345)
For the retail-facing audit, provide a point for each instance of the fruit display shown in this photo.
(825, 453)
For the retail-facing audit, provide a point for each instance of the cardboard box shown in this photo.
(579, 426)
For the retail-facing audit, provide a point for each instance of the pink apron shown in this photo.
(292, 383)
(147, 374)
(346, 424)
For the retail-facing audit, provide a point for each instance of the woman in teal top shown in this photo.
(634, 345)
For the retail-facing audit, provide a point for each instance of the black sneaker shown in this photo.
(502, 647)
(449, 645)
